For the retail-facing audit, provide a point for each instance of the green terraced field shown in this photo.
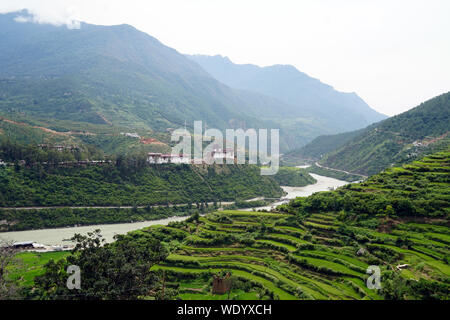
(299, 253)
(28, 265)
(280, 259)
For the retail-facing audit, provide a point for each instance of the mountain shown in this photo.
(308, 98)
(103, 80)
(112, 76)
(399, 139)
(321, 145)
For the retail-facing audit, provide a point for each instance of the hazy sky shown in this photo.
(395, 54)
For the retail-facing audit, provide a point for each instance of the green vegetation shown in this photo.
(293, 177)
(128, 182)
(120, 270)
(28, 265)
(15, 220)
(318, 147)
(305, 107)
(396, 140)
(260, 249)
(419, 189)
(303, 254)
(122, 80)
(333, 173)
(317, 247)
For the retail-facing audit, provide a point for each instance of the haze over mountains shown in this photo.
(398, 139)
(307, 97)
(120, 77)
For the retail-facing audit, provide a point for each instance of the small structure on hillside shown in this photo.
(23, 245)
(361, 252)
(223, 154)
(159, 158)
(221, 285)
(131, 134)
(402, 266)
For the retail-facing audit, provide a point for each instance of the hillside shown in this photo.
(402, 138)
(320, 146)
(419, 189)
(293, 177)
(309, 250)
(307, 98)
(124, 183)
(122, 80)
(114, 76)
(300, 255)
(319, 247)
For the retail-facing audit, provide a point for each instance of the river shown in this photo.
(56, 236)
(322, 184)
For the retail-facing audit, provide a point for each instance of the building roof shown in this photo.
(23, 243)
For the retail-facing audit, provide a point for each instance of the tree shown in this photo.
(389, 210)
(120, 270)
(7, 255)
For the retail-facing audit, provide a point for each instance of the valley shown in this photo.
(113, 184)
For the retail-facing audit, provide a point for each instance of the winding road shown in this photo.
(357, 174)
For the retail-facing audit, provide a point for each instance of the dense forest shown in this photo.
(125, 183)
(319, 247)
(32, 219)
(396, 140)
(320, 146)
(333, 173)
(419, 189)
(293, 177)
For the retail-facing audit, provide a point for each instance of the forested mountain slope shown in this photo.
(320, 247)
(321, 145)
(307, 98)
(120, 77)
(399, 139)
(115, 76)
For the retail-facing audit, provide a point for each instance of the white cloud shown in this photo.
(33, 18)
(44, 12)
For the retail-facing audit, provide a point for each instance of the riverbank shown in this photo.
(323, 184)
(57, 235)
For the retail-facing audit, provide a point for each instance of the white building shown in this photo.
(179, 159)
(159, 158)
(223, 154)
(154, 158)
(130, 134)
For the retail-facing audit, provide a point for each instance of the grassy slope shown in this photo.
(293, 177)
(419, 189)
(316, 257)
(390, 141)
(110, 185)
(28, 265)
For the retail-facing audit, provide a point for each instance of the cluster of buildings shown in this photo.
(216, 154)
(37, 247)
(160, 158)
